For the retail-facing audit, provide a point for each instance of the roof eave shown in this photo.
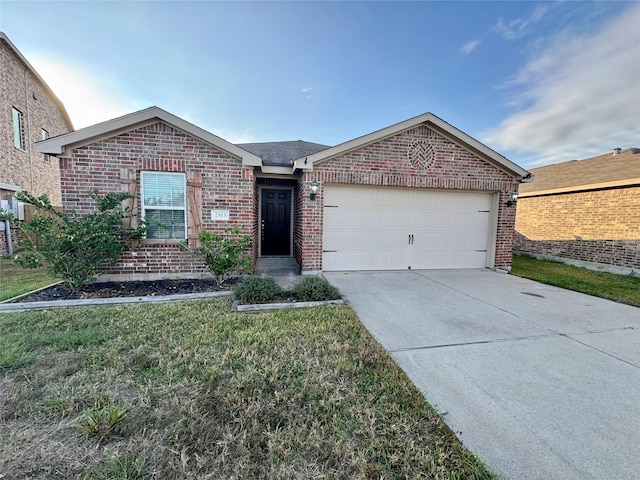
(306, 163)
(8, 186)
(272, 169)
(626, 183)
(59, 145)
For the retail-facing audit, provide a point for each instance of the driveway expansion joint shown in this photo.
(519, 339)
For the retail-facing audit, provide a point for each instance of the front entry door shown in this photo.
(275, 225)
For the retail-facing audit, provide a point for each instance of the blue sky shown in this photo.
(540, 82)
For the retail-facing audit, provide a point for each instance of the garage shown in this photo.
(387, 228)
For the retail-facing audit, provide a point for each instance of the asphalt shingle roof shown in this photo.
(282, 154)
(591, 171)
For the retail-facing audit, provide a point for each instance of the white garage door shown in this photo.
(379, 228)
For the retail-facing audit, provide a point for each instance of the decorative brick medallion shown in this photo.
(421, 155)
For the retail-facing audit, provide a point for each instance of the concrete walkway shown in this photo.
(539, 382)
(284, 270)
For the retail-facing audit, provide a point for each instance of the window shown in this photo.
(45, 135)
(164, 205)
(18, 138)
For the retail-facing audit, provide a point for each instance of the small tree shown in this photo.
(223, 254)
(75, 248)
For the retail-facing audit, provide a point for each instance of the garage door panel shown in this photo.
(363, 238)
(369, 228)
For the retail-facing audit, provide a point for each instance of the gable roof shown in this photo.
(63, 111)
(434, 122)
(604, 171)
(62, 144)
(282, 154)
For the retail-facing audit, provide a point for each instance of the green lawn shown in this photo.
(620, 288)
(192, 390)
(15, 280)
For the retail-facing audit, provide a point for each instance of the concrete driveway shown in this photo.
(539, 382)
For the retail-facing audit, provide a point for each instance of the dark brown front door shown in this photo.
(276, 222)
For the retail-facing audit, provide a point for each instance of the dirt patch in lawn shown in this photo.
(128, 289)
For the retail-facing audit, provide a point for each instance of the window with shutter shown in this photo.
(164, 205)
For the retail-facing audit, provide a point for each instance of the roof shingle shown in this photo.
(619, 169)
(282, 154)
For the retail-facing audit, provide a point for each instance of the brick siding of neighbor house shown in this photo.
(159, 147)
(600, 226)
(385, 163)
(26, 168)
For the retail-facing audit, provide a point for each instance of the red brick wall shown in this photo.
(386, 163)
(601, 226)
(310, 218)
(299, 220)
(159, 147)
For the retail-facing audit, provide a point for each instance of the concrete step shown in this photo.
(285, 270)
(277, 266)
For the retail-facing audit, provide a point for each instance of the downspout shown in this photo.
(7, 234)
(28, 119)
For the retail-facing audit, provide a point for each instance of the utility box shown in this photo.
(13, 206)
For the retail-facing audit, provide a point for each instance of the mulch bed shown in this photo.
(127, 289)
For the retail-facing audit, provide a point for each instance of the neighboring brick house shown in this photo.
(29, 112)
(419, 194)
(584, 211)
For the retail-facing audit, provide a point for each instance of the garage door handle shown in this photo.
(410, 239)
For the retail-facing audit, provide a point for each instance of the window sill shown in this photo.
(160, 241)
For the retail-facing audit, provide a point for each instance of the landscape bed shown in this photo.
(122, 289)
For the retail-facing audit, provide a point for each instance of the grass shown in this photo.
(15, 280)
(619, 288)
(193, 390)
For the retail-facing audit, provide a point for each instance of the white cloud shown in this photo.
(88, 98)
(517, 28)
(580, 97)
(407, 106)
(307, 91)
(469, 47)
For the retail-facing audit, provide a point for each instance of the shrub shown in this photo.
(223, 254)
(101, 422)
(124, 467)
(74, 248)
(315, 289)
(254, 289)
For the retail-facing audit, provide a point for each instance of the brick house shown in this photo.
(584, 211)
(419, 194)
(29, 112)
